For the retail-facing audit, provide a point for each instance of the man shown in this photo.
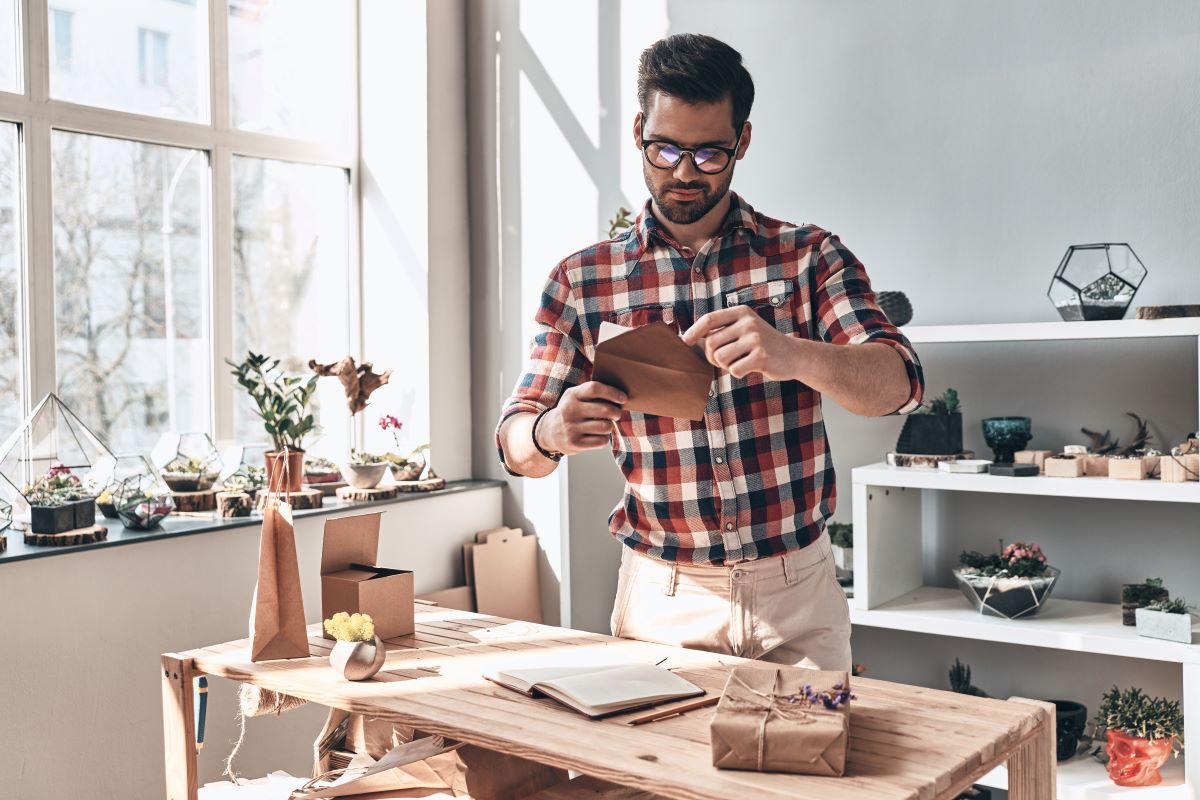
(722, 519)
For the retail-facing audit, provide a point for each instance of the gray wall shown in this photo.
(957, 149)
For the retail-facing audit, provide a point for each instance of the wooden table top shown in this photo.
(906, 741)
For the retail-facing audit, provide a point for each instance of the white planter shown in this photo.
(843, 559)
(1161, 625)
(357, 661)
(365, 476)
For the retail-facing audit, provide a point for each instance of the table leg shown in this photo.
(1031, 767)
(179, 727)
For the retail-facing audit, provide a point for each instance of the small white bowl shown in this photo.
(969, 465)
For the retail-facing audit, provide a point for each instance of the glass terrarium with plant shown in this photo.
(934, 429)
(188, 462)
(247, 478)
(1140, 733)
(143, 501)
(1013, 583)
(1139, 595)
(111, 472)
(321, 470)
(58, 501)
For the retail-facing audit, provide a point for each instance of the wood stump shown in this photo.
(327, 489)
(1167, 312)
(303, 499)
(188, 502)
(427, 485)
(3, 542)
(924, 461)
(378, 493)
(96, 533)
(234, 504)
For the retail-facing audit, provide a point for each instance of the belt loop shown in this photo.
(672, 580)
(789, 568)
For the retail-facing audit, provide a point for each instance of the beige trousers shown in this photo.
(788, 609)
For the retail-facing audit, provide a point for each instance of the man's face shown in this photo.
(684, 194)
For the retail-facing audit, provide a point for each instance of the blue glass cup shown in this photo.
(1007, 435)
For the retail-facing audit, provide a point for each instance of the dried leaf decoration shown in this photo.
(359, 381)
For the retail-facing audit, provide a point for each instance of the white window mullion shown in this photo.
(357, 330)
(221, 224)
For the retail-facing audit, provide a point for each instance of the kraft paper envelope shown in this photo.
(756, 727)
(651, 364)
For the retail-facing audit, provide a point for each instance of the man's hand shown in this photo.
(740, 342)
(582, 420)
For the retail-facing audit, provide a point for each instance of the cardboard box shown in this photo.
(1033, 457)
(1127, 469)
(1095, 466)
(351, 581)
(502, 568)
(1177, 469)
(460, 598)
(1064, 467)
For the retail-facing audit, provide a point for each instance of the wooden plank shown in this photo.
(179, 726)
(1031, 768)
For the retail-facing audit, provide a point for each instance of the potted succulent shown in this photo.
(58, 502)
(841, 537)
(934, 429)
(1016, 582)
(189, 474)
(142, 502)
(1140, 733)
(104, 502)
(1139, 595)
(359, 653)
(247, 478)
(282, 403)
(321, 470)
(404, 468)
(1166, 619)
(365, 470)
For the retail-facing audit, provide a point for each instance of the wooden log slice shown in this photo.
(378, 493)
(96, 533)
(327, 489)
(303, 499)
(427, 485)
(924, 461)
(195, 502)
(234, 504)
(1167, 312)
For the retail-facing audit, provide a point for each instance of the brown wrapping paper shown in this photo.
(656, 370)
(277, 614)
(758, 725)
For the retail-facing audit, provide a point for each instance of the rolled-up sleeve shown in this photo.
(557, 359)
(845, 312)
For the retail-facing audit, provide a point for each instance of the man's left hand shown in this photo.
(740, 342)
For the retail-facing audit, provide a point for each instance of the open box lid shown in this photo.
(350, 540)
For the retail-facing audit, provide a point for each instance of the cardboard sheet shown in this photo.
(502, 567)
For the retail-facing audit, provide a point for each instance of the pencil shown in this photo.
(663, 713)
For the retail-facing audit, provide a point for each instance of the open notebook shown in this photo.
(599, 690)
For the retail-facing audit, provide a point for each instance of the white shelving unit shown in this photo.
(896, 523)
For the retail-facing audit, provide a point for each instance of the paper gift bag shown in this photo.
(277, 614)
(656, 370)
(785, 719)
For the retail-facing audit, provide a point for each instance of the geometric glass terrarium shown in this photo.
(1096, 281)
(143, 501)
(1008, 597)
(5, 515)
(50, 435)
(188, 462)
(112, 471)
(245, 467)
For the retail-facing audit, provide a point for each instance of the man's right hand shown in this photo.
(582, 420)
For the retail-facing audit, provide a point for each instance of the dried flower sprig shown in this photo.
(351, 627)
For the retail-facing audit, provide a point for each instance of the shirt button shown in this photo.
(776, 300)
(728, 526)
(699, 271)
(712, 392)
(720, 460)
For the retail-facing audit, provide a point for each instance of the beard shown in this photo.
(685, 212)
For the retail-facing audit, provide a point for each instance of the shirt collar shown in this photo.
(740, 216)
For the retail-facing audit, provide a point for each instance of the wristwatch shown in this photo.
(540, 449)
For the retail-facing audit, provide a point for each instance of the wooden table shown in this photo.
(906, 742)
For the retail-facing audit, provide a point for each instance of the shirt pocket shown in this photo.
(774, 301)
(637, 316)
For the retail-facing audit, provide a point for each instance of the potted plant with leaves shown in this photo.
(1016, 582)
(1139, 595)
(935, 429)
(359, 653)
(365, 470)
(404, 468)
(1166, 619)
(282, 402)
(58, 502)
(841, 537)
(247, 478)
(1140, 733)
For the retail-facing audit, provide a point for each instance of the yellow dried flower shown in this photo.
(351, 627)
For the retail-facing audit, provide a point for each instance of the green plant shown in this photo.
(182, 465)
(942, 406)
(1017, 560)
(319, 466)
(620, 222)
(58, 486)
(246, 478)
(1142, 593)
(350, 627)
(1140, 715)
(361, 458)
(281, 400)
(1176, 606)
(841, 534)
(960, 680)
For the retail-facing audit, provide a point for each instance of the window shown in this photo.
(10, 280)
(60, 35)
(171, 243)
(152, 58)
(129, 287)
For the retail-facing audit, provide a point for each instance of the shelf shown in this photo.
(1053, 331)
(1084, 778)
(1098, 488)
(1062, 625)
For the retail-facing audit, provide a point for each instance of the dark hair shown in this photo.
(696, 69)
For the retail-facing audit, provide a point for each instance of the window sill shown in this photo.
(174, 526)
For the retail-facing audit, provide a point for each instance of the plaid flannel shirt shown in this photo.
(754, 478)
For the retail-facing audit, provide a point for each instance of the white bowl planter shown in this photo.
(357, 661)
(365, 476)
(1163, 625)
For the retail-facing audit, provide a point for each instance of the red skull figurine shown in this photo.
(1133, 761)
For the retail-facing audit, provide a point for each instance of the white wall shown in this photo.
(958, 149)
(81, 633)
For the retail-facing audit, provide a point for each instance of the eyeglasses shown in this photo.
(709, 159)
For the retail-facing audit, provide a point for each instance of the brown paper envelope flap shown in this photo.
(658, 344)
(350, 540)
(482, 536)
(655, 390)
(355, 575)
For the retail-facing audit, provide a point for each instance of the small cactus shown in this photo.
(960, 680)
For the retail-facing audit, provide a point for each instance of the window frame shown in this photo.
(37, 115)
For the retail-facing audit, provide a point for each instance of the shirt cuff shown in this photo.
(912, 366)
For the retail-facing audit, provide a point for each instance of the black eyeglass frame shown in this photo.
(730, 152)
